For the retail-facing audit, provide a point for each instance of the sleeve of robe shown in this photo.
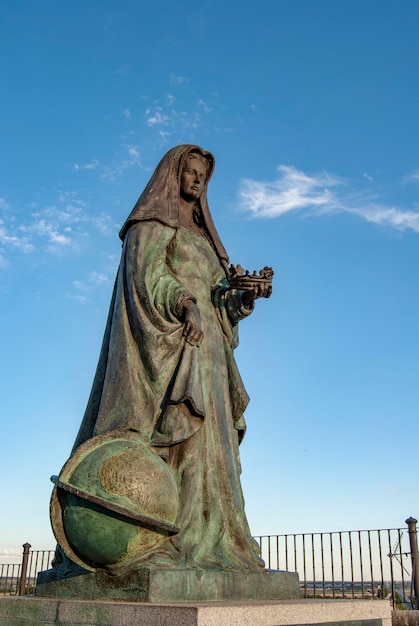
(143, 338)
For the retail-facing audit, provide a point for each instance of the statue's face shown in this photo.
(192, 180)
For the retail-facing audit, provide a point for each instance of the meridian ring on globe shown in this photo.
(130, 515)
(114, 500)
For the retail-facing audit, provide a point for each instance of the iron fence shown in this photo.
(344, 564)
(20, 578)
(10, 578)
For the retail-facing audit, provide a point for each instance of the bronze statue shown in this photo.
(167, 375)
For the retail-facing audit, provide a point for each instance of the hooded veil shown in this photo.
(160, 199)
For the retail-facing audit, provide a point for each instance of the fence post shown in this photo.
(24, 570)
(411, 523)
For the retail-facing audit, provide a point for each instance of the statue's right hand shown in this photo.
(261, 290)
(192, 323)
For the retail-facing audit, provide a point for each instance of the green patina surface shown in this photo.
(118, 471)
(97, 535)
(167, 373)
(174, 585)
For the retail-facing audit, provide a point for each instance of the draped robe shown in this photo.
(187, 402)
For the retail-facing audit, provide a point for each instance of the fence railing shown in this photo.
(344, 564)
(19, 579)
(10, 579)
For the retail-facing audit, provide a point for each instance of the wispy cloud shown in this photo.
(78, 297)
(81, 286)
(173, 121)
(294, 190)
(169, 120)
(36, 230)
(84, 287)
(4, 205)
(157, 117)
(97, 278)
(21, 243)
(11, 555)
(52, 233)
(393, 217)
(129, 156)
(94, 164)
(62, 225)
(164, 136)
(104, 224)
(412, 178)
(205, 106)
(58, 225)
(11, 241)
(178, 80)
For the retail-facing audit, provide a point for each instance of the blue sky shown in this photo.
(311, 109)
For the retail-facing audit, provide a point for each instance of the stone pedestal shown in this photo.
(172, 585)
(59, 612)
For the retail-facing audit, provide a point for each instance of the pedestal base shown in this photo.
(56, 612)
(172, 585)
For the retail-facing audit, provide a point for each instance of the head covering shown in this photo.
(160, 199)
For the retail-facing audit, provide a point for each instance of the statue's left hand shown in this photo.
(192, 323)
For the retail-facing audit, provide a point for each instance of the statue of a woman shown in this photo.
(167, 370)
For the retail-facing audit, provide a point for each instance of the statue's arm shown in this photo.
(239, 303)
(154, 285)
(235, 301)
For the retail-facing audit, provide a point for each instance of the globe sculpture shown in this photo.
(114, 500)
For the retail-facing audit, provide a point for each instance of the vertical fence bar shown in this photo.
(332, 564)
(402, 568)
(352, 562)
(286, 552)
(304, 566)
(413, 539)
(371, 564)
(34, 559)
(23, 574)
(342, 565)
(380, 552)
(360, 563)
(393, 599)
(322, 555)
(313, 564)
